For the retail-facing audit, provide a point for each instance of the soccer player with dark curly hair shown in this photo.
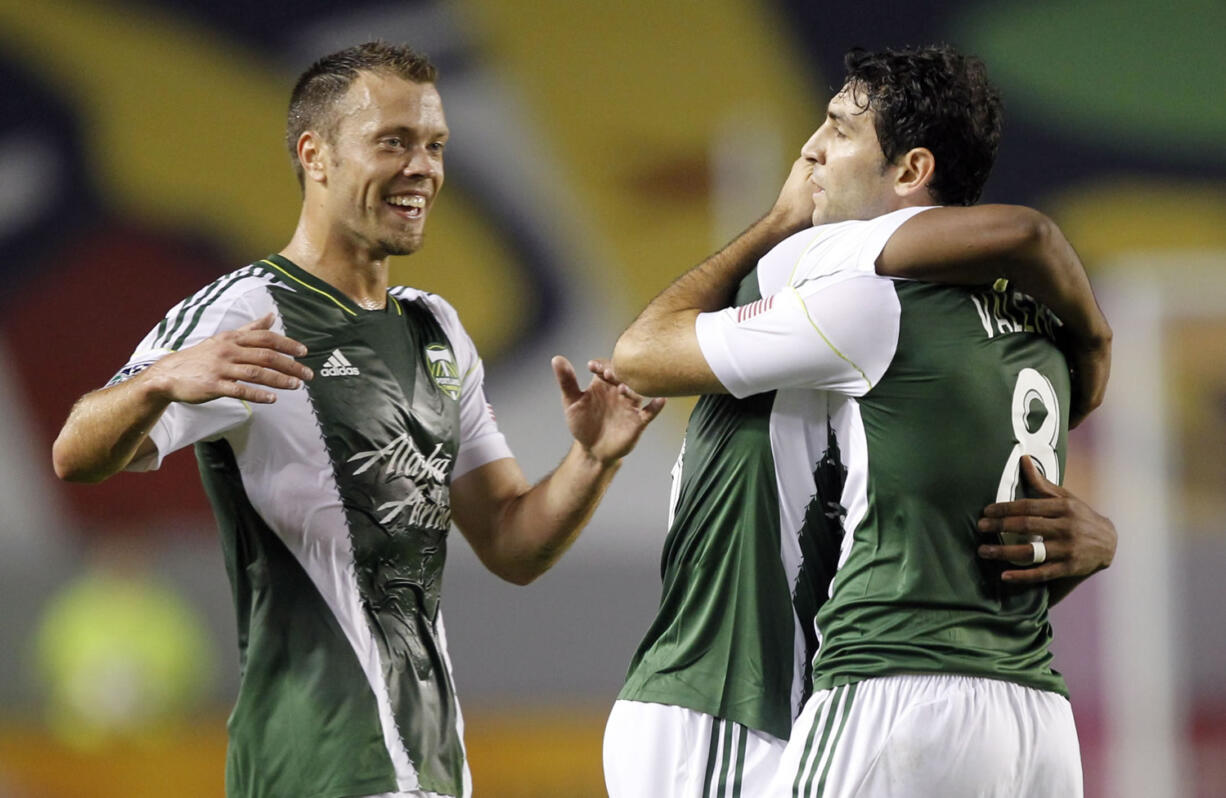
(825, 536)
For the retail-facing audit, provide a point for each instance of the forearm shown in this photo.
(105, 430)
(541, 524)
(978, 245)
(647, 354)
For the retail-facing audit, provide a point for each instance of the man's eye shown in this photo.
(438, 146)
(393, 141)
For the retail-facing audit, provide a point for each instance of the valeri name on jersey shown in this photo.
(337, 365)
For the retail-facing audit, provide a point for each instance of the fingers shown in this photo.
(1053, 507)
(266, 339)
(604, 369)
(649, 410)
(1057, 564)
(1022, 553)
(1035, 479)
(262, 323)
(568, 381)
(1031, 576)
(271, 358)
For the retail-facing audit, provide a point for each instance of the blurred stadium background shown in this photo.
(599, 149)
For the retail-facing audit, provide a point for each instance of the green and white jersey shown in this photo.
(334, 507)
(752, 543)
(933, 394)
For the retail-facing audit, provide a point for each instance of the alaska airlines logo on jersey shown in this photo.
(428, 504)
(443, 369)
(337, 365)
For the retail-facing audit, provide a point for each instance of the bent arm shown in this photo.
(979, 244)
(520, 530)
(658, 354)
(108, 429)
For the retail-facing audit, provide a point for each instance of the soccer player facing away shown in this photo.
(852, 429)
(340, 427)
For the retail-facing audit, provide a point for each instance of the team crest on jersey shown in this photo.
(443, 369)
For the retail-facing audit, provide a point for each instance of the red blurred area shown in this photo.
(95, 297)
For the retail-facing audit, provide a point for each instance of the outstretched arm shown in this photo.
(658, 354)
(1078, 541)
(109, 428)
(978, 244)
(519, 530)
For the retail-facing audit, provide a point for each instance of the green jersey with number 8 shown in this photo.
(941, 391)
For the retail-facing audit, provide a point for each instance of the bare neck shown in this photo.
(351, 269)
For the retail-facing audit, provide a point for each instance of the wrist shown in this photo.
(595, 461)
(781, 222)
(154, 388)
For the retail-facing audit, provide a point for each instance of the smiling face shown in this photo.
(852, 177)
(382, 164)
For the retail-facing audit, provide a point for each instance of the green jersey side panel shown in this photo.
(723, 639)
(975, 382)
(282, 710)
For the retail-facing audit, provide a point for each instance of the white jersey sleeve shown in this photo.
(481, 441)
(798, 335)
(827, 248)
(838, 333)
(187, 324)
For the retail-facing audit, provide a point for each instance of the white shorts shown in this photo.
(917, 736)
(419, 794)
(659, 751)
(468, 791)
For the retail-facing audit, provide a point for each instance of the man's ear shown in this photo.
(313, 155)
(916, 169)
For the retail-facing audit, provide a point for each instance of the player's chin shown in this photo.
(402, 244)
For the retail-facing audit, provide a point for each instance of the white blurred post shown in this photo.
(747, 168)
(1144, 708)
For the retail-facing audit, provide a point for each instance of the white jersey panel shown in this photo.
(798, 436)
(841, 246)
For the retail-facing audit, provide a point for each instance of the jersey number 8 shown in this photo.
(1031, 389)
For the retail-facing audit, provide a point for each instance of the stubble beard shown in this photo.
(405, 244)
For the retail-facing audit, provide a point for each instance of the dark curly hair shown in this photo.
(318, 89)
(936, 98)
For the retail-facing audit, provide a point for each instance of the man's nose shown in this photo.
(813, 149)
(421, 163)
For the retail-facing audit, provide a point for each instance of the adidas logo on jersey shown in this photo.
(337, 365)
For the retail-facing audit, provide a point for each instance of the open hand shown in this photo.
(232, 363)
(1078, 541)
(607, 418)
